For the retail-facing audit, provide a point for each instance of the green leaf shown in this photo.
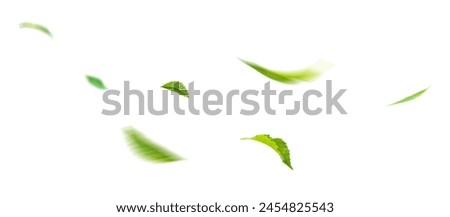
(176, 87)
(308, 74)
(148, 149)
(96, 82)
(37, 27)
(411, 97)
(277, 144)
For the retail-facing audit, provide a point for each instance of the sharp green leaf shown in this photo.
(308, 74)
(176, 87)
(37, 27)
(277, 144)
(96, 82)
(411, 97)
(148, 149)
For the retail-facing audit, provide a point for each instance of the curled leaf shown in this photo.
(176, 87)
(148, 149)
(37, 27)
(277, 144)
(96, 82)
(308, 74)
(411, 97)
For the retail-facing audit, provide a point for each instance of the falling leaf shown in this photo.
(37, 27)
(177, 87)
(96, 82)
(148, 149)
(277, 144)
(409, 98)
(308, 74)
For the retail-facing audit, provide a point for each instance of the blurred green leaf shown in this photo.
(411, 97)
(176, 87)
(308, 74)
(37, 27)
(96, 82)
(148, 149)
(277, 144)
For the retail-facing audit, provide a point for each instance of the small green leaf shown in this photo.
(308, 74)
(176, 87)
(148, 149)
(411, 97)
(96, 82)
(37, 27)
(277, 144)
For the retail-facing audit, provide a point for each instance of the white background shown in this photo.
(60, 157)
